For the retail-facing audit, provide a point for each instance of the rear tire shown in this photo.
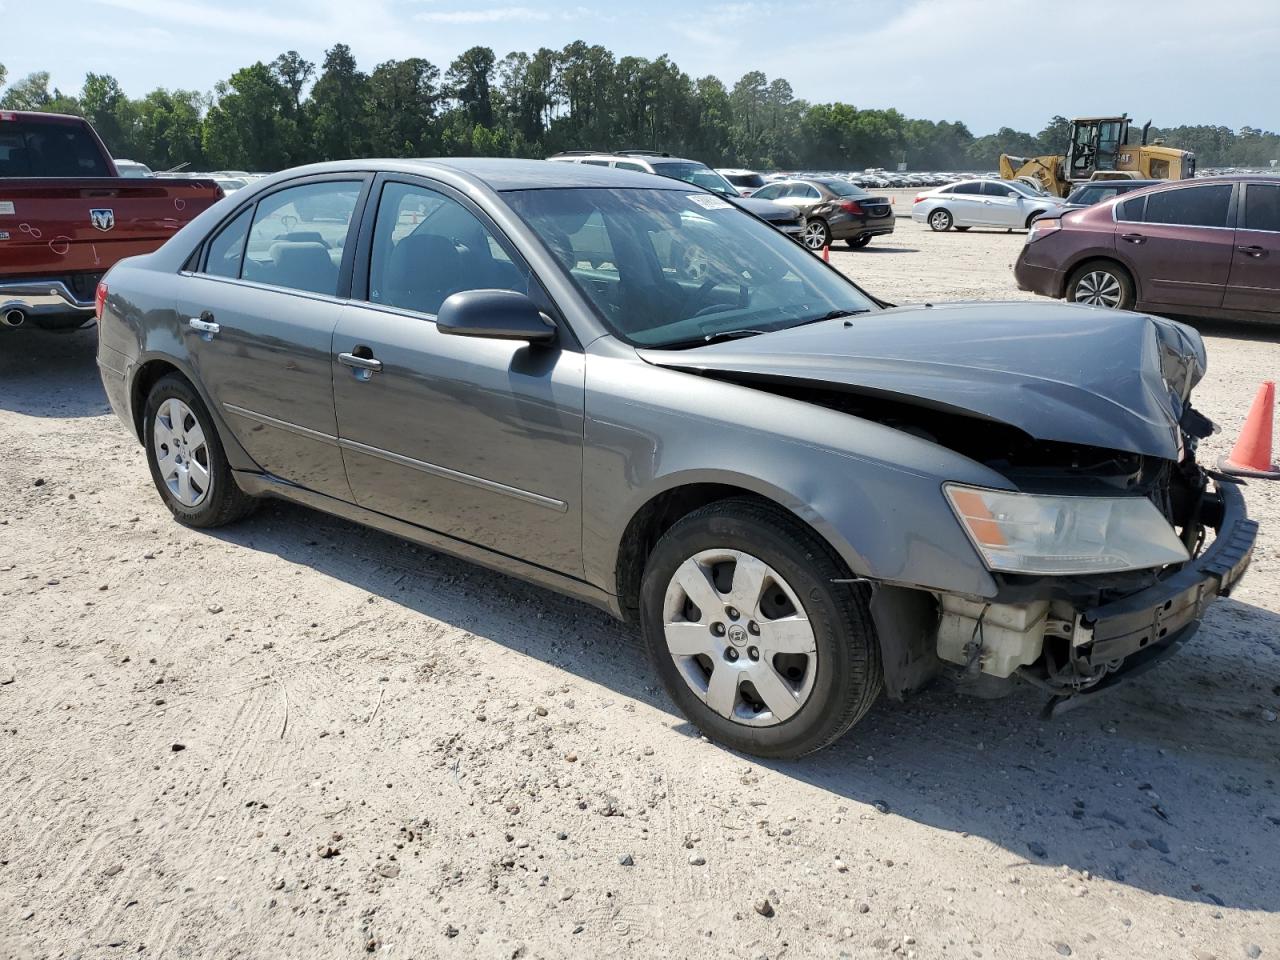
(789, 599)
(941, 221)
(1101, 283)
(188, 464)
(857, 243)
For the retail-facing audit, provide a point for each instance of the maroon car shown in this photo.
(1205, 248)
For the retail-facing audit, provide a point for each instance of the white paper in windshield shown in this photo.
(709, 201)
(6, 208)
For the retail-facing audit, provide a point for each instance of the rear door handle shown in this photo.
(1253, 250)
(1133, 237)
(204, 326)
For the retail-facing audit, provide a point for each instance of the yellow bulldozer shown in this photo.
(1100, 150)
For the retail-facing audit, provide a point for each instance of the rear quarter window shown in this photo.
(1262, 207)
(1131, 210)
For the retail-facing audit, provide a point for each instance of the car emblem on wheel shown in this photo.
(737, 635)
(102, 219)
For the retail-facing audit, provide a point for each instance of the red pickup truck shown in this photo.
(66, 216)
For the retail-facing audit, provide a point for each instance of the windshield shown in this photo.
(699, 174)
(843, 188)
(665, 268)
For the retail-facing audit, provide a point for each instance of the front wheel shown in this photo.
(941, 220)
(753, 636)
(1101, 284)
(817, 234)
(858, 242)
(188, 464)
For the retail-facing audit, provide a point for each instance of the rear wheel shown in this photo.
(188, 464)
(817, 234)
(941, 220)
(1101, 284)
(752, 636)
(858, 242)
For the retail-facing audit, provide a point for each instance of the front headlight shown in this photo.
(1034, 534)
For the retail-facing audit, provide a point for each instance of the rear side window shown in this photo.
(628, 165)
(1132, 210)
(298, 236)
(970, 188)
(226, 250)
(49, 149)
(1261, 207)
(427, 246)
(1190, 206)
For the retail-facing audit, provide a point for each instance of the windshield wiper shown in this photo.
(718, 337)
(833, 315)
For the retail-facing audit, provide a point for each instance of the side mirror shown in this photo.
(495, 315)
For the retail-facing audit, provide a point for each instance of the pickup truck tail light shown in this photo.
(100, 299)
(851, 206)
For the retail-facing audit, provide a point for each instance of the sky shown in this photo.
(988, 64)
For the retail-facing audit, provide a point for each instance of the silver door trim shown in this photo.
(438, 471)
(280, 424)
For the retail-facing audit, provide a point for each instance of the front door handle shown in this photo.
(204, 326)
(363, 367)
(1253, 250)
(1133, 238)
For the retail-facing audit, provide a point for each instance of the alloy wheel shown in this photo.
(181, 453)
(815, 235)
(1100, 289)
(740, 638)
(940, 220)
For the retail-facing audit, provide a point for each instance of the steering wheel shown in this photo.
(1085, 155)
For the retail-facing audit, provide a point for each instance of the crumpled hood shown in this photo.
(1056, 371)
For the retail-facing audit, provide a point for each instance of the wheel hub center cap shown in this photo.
(738, 635)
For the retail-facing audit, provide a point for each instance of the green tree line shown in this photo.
(272, 115)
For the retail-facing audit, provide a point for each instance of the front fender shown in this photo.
(873, 492)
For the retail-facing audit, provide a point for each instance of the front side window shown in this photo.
(992, 189)
(772, 192)
(299, 234)
(1261, 207)
(1190, 206)
(427, 247)
(968, 188)
(670, 268)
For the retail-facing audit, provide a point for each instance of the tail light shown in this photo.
(100, 299)
(919, 197)
(851, 206)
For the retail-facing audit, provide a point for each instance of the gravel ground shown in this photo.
(299, 738)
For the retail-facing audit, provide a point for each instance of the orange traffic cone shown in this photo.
(826, 253)
(1251, 456)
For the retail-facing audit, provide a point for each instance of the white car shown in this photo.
(747, 181)
(982, 203)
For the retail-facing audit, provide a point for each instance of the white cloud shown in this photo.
(491, 15)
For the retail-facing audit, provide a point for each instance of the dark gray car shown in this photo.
(633, 393)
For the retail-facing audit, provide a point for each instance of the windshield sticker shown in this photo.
(4, 234)
(6, 208)
(709, 201)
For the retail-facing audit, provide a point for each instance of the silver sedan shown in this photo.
(982, 203)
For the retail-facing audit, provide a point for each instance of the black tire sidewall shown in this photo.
(857, 243)
(841, 673)
(214, 506)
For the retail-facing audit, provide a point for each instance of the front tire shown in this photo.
(752, 636)
(1101, 284)
(188, 464)
(940, 221)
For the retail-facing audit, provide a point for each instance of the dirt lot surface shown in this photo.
(299, 738)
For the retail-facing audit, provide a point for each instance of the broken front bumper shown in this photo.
(1145, 627)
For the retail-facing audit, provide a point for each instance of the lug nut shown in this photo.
(718, 629)
(732, 612)
(731, 654)
(753, 653)
(754, 628)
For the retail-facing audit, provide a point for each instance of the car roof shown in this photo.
(500, 174)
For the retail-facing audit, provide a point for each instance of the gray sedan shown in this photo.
(629, 391)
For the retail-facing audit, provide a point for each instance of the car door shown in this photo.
(1254, 283)
(1178, 245)
(965, 203)
(259, 314)
(479, 439)
(1002, 205)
